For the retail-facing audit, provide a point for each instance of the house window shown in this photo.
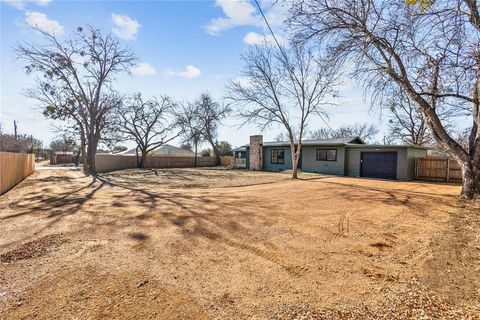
(326, 154)
(278, 156)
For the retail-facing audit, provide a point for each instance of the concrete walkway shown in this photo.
(75, 168)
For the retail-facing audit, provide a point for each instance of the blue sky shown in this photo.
(184, 48)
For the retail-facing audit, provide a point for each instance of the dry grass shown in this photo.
(190, 244)
(202, 178)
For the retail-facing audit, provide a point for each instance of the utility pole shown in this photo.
(15, 128)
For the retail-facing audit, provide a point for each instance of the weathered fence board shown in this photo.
(178, 162)
(111, 162)
(227, 161)
(438, 169)
(14, 167)
(454, 172)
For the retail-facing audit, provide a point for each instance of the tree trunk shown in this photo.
(294, 161)
(143, 158)
(298, 152)
(215, 150)
(83, 149)
(84, 153)
(91, 152)
(471, 181)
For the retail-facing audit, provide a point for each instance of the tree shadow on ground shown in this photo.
(175, 207)
(456, 251)
(226, 217)
(202, 178)
(407, 198)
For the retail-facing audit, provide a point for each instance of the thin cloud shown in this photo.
(253, 38)
(125, 27)
(21, 4)
(243, 81)
(43, 23)
(243, 13)
(190, 72)
(237, 13)
(43, 3)
(143, 69)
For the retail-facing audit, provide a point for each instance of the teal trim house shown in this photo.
(339, 156)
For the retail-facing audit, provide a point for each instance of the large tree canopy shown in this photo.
(74, 81)
(188, 118)
(149, 123)
(287, 87)
(430, 52)
(364, 131)
(210, 115)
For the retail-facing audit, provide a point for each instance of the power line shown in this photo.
(273, 34)
(282, 51)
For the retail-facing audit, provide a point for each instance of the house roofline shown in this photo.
(350, 145)
(310, 142)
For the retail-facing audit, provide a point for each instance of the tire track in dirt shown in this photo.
(344, 224)
(455, 251)
(92, 293)
(277, 258)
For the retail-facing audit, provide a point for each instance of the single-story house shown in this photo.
(165, 150)
(241, 157)
(63, 157)
(340, 156)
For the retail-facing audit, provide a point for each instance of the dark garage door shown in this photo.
(381, 165)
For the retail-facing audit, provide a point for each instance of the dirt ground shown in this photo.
(227, 244)
(187, 178)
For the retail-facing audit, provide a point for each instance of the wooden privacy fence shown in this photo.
(179, 162)
(227, 161)
(14, 167)
(438, 169)
(111, 162)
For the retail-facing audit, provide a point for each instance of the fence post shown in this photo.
(448, 170)
(416, 168)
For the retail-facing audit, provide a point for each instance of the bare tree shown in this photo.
(23, 143)
(407, 123)
(322, 133)
(16, 142)
(70, 134)
(281, 137)
(463, 138)
(150, 124)
(430, 52)
(225, 148)
(75, 80)
(210, 116)
(364, 131)
(192, 128)
(284, 87)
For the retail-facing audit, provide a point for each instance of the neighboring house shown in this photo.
(63, 157)
(241, 157)
(240, 152)
(339, 156)
(166, 150)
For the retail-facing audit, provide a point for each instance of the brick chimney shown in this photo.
(256, 152)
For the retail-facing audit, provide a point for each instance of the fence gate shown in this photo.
(438, 169)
